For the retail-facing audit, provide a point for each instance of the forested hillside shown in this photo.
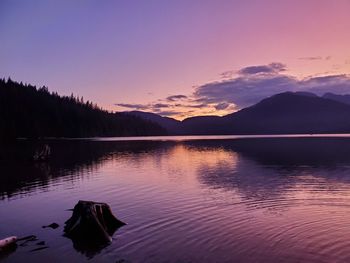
(31, 112)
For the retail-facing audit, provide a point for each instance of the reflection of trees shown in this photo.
(71, 160)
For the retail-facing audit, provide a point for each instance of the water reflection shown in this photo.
(254, 200)
(6, 252)
(88, 249)
(257, 168)
(70, 160)
(273, 170)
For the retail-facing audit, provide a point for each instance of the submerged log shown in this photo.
(93, 222)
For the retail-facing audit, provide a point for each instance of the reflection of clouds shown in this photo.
(251, 180)
(218, 168)
(178, 160)
(277, 173)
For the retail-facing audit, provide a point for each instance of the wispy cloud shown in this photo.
(132, 106)
(311, 58)
(222, 106)
(197, 106)
(176, 97)
(147, 106)
(169, 113)
(160, 105)
(316, 58)
(227, 74)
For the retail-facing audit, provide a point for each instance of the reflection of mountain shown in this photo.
(267, 169)
(251, 181)
(293, 152)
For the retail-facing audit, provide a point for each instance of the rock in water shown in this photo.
(92, 221)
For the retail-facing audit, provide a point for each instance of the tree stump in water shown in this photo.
(93, 222)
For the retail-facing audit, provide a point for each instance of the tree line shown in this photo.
(30, 112)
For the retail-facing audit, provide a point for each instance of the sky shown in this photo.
(177, 58)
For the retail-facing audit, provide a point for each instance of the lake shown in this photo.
(186, 199)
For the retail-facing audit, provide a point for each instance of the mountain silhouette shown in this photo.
(170, 124)
(284, 113)
(340, 98)
(291, 113)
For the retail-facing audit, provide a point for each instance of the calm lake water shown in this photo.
(194, 199)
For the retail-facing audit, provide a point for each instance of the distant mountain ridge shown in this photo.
(340, 98)
(291, 113)
(169, 124)
(284, 113)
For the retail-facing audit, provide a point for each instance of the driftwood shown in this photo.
(92, 222)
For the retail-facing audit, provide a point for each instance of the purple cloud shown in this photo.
(259, 82)
(197, 106)
(160, 105)
(222, 106)
(339, 84)
(311, 58)
(316, 58)
(244, 91)
(132, 106)
(169, 113)
(263, 69)
(176, 97)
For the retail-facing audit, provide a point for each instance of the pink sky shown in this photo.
(140, 52)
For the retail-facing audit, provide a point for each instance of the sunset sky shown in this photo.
(177, 58)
